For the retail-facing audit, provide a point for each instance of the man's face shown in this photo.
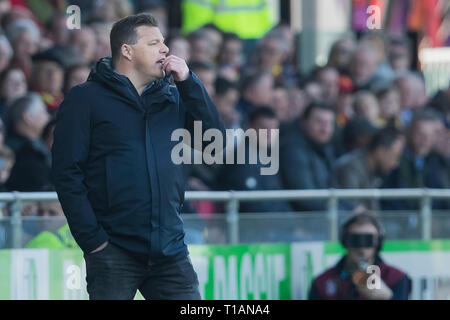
(148, 52)
(367, 254)
(15, 84)
(329, 81)
(280, 103)
(269, 124)
(37, 118)
(227, 102)
(423, 137)
(388, 158)
(364, 65)
(270, 53)
(49, 77)
(261, 92)
(320, 125)
(232, 52)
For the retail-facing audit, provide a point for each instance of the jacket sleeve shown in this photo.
(198, 106)
(69, 156)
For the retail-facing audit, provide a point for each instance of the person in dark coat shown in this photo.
(307, 154)
(113, 170)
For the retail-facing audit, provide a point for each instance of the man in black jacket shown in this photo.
(112, 168)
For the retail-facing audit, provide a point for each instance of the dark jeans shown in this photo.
(112, 274)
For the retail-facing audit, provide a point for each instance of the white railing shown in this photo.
(435, 64)
(232, 198)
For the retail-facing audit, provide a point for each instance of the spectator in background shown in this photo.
(102, 48)
(364, 168)
(206, 73)
(413, 95)
(280, 104)
(27, 117)
(357, 133)
(180, 47)
(399, 53)
(297, 102)
(56, 29)
(390, 107)
(48, 78)
(110, 11)
(6, 53)
(84, 41)
(31, 170)
(225, 99)
(362, 236)
(24, 36)
(6, 159)
(306, 154)
(230, 59)
(328, 79)
(215, 38)
(56, 233)
(363, 67)
(441, 103)
(158, 9)
(248, 176)
(415, 169)
(201, 47)
(75, 75)
(341, 54)
(256, 90)
(366, 105)
(12, 85)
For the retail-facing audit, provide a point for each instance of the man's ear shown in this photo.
(126, 51)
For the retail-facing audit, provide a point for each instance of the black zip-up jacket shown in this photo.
(112, 166)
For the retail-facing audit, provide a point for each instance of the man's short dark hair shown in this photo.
(315, 105)
(124, 31)
(384, 138)
(223, 85)
(261, 112)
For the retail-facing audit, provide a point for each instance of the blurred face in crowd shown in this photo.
(201, 50)
(181, 48)
(297, 102)
(412, 92)
(280, 104)
(270, 53)
(387, 158)
(59, 32)
(422, 137)
(363, 66)
(231, 53)
(36, 118)
(25, 45)
(366, 105)
(260, 93)
(442, 146)
(226, 106)
(399, 57)
(328, 79)
(314, 92)
(268, 124)
(14, 85)
(48, 76)
(85, 41)
(207, 77)
(4, 55)
(50, 209)
(389, 104)
(341, 54)
(215, 37)
(366, 254)
(320, 125)
(103, 47)
(77, 76)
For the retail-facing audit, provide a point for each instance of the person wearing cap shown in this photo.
(361, 274)
(364, 168)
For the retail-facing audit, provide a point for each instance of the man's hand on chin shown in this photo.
(176, 66)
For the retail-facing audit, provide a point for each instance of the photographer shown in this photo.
(353, 277)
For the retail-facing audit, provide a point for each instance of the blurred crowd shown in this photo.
(362, 120)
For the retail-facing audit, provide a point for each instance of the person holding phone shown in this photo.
(361, 274)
